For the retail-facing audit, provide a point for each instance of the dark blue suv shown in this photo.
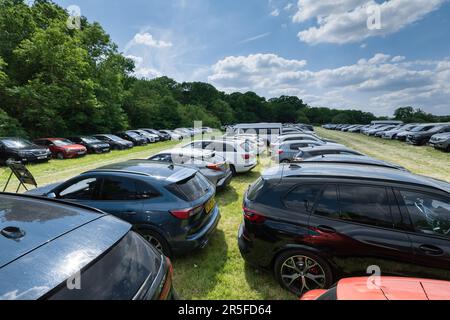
(54, 250)
(173, 207)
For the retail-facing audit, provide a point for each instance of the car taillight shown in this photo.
(167, 286)
(253, 216)
(280, 152)
(185, 214)
(216, 166)
(246, 156)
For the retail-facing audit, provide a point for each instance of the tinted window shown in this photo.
(429, 215)
(255, 188)
(302, 197)
(81, 190)
(190, 189)
(364, 204)
(328, 205)
(118, 189)
(162, 158)
(118, 275)
(297, 146)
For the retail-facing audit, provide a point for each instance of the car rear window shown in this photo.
(190, 189)
(109, 277)
(254, 189)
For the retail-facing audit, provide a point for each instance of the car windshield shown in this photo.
(113, 137)
(16, 143)
(91, 140)
(419, 129)
(132, 134)
(62, 142)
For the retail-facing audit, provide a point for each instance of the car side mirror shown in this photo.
(51, 195)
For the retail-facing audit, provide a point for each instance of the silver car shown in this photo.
(211, 165)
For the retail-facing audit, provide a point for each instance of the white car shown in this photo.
(257, 144)
(173, 135)
(237, 153)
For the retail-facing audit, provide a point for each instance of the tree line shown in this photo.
(58, 81)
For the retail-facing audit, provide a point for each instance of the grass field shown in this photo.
(218, 271)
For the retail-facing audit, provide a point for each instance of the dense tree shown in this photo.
(57, 81)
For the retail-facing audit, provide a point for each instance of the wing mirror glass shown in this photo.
(51, 195)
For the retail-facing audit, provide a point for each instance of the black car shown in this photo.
(54, 250)
(307, 153)
(422, 134)
(316, 223)
(93, 145)
(355, 160)
(171, 206)
(21, 150)
(135, 138)
(115, 142)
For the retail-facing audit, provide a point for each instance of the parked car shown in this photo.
(392, 134)
(212, 166)
(295, 137)
(21, 150)
(162, 136)
(115, 142)
(441, 141)
(173, 135)
(306, 153)
(137, 139)
(46, 244)
(173, 207)
(151, 138)
(317, 223)
(93, 145)
(422, 134)
(383, 288)
(376, 129)
(286, 151)
(380, 133)
(355, 160)
(62, 148)
(237, 153)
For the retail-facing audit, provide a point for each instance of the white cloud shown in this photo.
(275, 13)
(378, 84)
(146, 39)
(289, 6)
(344, 21)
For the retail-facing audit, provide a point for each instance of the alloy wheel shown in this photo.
(301, 273)
(155, 242)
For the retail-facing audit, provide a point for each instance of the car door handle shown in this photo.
(431, 250)
(326, 229)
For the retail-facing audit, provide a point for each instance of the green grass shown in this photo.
(218, 271)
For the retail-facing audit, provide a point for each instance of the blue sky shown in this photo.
(321, 51)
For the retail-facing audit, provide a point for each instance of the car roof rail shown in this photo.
(118, 171)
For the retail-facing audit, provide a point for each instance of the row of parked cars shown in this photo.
(328, 213)
(436, 135)
(311, 223)
(44, 149)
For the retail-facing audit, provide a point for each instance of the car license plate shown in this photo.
(80, 153)
(42, 158)
(209, 206)
(105, 150)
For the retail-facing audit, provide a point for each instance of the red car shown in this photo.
(62, 148)
(383, 288)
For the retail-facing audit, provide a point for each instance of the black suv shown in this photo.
(93, 145)
(422, 134)
(59, 251)
(17, 149)
(316, 223)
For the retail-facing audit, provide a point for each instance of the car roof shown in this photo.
(286, 143)
(188, 152)
(352, 159)
(328, 147)
(339, 170)
(40, 220)
(392, 288)
(163, 172)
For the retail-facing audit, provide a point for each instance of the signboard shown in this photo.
(22, 174)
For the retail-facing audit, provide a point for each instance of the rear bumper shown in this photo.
(225, 181)
(200, 239)
(249, 253)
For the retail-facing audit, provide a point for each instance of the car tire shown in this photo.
(233, 170)
(60, 156)
(156, 240)
(288, 267)
(285, 161)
